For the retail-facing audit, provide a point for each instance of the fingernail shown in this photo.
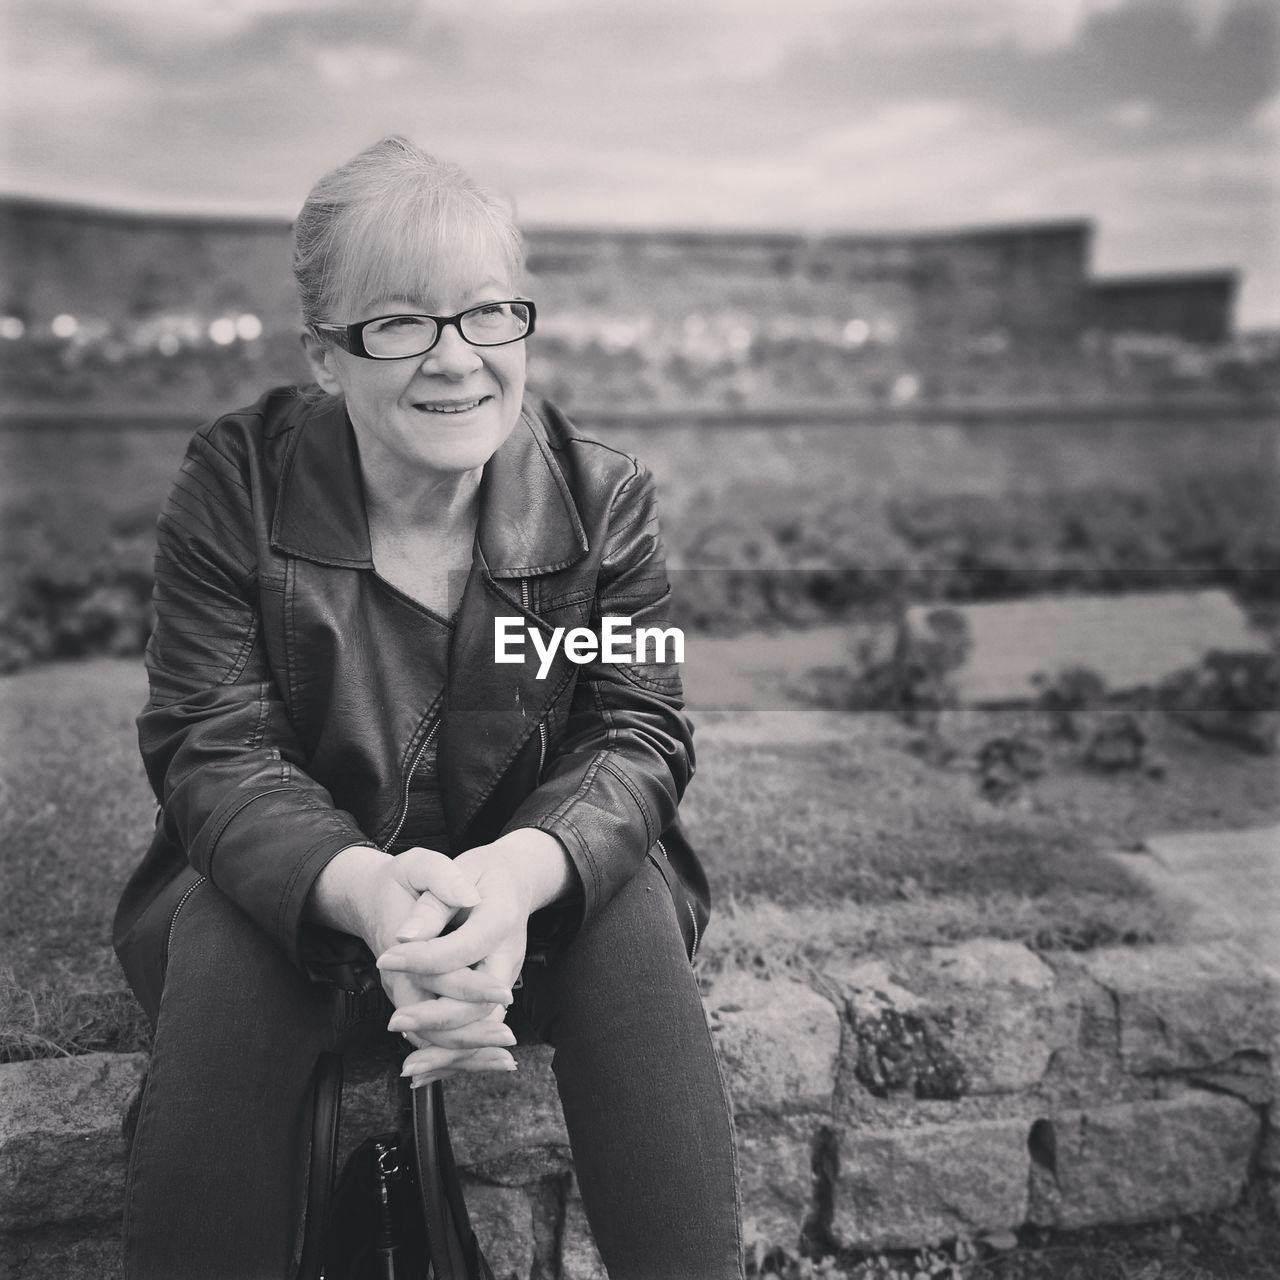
(407, 935)
(399, 1023)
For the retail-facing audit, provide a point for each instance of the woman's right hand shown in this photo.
(458, 1016)
(373, 895)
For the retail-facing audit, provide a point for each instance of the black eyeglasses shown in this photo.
(492, 324)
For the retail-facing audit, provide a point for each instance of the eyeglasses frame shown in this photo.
(350, 337)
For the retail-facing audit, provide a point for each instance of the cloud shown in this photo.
(1160, 117)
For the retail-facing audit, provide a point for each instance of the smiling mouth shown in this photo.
(450, 406)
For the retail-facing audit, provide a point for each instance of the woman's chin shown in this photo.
(456, 446)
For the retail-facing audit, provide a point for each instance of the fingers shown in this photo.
(427, 918)
(467, 945)
(476, 986)
(432, 1016)
(429, 871)
(434, 1063)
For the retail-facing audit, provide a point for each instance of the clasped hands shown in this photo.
(450, 989)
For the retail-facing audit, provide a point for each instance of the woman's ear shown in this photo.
(321, 359)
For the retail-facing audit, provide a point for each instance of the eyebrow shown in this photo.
(395, 301)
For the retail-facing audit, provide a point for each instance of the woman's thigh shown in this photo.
(643, 1095)
(218, 1170)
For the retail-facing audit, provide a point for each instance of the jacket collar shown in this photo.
(528, 523)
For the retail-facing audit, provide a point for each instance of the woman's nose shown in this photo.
(453, 356)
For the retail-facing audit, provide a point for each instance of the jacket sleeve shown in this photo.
(219, 749)
(614, 784)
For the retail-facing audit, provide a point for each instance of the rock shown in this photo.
(981, 1017)
(1188, 1007)
(579, 1257)
(508, 1128)
(1248, 1076)
(1128, 642)
(1117, 743)
(899, 1188)
(502, 1218)
(1139, 1161)
(775, 1172)
(63, 1253)
(62, 1147)
(779, 1043)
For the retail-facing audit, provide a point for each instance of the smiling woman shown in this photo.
(346, 774)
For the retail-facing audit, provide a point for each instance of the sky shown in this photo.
(1157, 119)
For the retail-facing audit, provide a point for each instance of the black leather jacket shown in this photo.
(286, 714)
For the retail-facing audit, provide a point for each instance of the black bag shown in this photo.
(397, 1212)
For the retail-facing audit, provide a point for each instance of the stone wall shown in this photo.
(890, 1102)
(941, 290)
(1196, 306)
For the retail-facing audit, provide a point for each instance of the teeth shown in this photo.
(451, 408)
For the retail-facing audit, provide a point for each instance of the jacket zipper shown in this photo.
(542, 724)
(173, 920)
(408, 778)
(693, 916)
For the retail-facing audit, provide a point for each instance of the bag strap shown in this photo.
(455, 1251)
(324, 1153)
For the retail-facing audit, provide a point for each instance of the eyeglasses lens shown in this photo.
(394, 337)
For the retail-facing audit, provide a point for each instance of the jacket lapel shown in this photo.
(320, 511)
(528, 526)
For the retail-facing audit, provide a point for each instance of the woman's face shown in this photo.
(446, 411)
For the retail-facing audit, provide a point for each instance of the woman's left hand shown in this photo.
(514, 876)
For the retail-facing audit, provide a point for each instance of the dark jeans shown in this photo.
(218, 1170)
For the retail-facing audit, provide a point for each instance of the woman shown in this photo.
(344, 770)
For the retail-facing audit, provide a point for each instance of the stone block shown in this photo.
(62, 1148)
(508, 1128)
(1131, 641)
(502, 1218)
(981, 1017)
(907, 1187)
(775, 1174)
(369, 1106)
(779, 1043)
(1190, 1006)
(1141, 1161)
(62, 1253)
(579, 1257)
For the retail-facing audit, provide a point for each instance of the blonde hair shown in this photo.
(395, 221)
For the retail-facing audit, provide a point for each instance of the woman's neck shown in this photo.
(400, 498)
